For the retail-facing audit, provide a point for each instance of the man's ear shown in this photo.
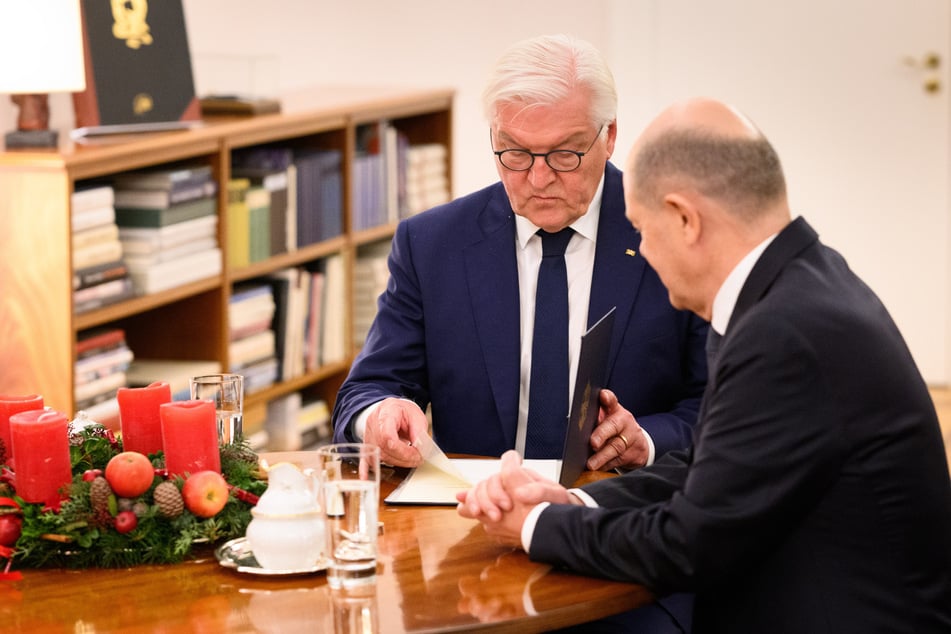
(686, 211)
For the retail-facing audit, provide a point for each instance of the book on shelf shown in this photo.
(91, 195)
(319, 195)
(281, 422)
(275, 181)
(259, 375)
(100, 388)
(92, 275)
(239, 222)
(146, 217)
(140, 261)
(258, 199)
(333, 343)
(138, 70)
(251, 349)
(92, 218)
(152, 240)
(427, 180)
(250, 309)
(96, 254)
(289, 315)
(103, 294)
(176, 372)
(95, 235)
(314, 323)
(99, 339)
(238, 105)
(166, 275)
(164, 198)
(101, 364)
(313, 423)
(370, 276)
(166, 178)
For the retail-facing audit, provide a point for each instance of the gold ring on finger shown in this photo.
(624, 440)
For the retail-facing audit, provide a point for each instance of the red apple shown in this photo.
(130, 474)
(205, 493)
(10, 527)
(91, 474)
(126, 521)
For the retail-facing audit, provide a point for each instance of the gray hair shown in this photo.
(545, 70)
(743, 173)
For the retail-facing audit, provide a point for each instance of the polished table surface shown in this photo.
(438, 572)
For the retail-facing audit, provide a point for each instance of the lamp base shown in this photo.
(31, 138)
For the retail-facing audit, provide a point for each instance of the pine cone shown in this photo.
(169, 499)
(99, 492)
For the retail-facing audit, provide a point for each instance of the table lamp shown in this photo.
(41, 51)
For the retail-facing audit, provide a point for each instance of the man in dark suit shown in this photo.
(815, 497)
(455, 326)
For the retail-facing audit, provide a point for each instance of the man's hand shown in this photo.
(617, 439)
(395, 427)
(502, 501)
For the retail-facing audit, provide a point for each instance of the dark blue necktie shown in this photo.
(548, 392)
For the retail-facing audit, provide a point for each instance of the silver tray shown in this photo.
(236, 554)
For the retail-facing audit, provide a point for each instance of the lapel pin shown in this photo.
(630, 252)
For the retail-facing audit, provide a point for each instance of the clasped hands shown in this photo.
(397, 425)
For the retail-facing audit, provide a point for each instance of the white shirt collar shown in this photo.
(725, 300)
(586, 225)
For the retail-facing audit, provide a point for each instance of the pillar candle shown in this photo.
(190, 436)
(41, 444)
(10, 405)
(139, 416)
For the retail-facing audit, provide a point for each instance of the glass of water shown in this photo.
(349, 476)
(226, 391)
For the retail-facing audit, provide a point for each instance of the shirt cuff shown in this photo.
(359, 425)
(528, 526)
(651, 452)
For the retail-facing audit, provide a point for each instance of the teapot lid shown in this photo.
(289, 491)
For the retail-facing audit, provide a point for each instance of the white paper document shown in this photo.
(431, 484)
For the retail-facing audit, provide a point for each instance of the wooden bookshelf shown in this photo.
(39, 329)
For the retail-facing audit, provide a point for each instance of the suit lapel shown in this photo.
(618, 265)
(492, 277)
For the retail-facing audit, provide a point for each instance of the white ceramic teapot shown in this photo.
(287, 528)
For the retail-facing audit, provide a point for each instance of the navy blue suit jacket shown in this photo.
(447, 330)
(815, 497)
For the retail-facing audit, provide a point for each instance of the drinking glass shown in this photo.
(226, 391)
(349, 475)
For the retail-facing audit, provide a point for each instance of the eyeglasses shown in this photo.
(558, 160)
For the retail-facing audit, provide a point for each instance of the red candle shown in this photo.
(10, 405)
(41, 443)
(190, 436)
(139, 416)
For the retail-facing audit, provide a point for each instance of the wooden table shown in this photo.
(437, 572)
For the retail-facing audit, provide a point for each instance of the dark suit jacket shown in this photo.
(447, 330)
(816, 495)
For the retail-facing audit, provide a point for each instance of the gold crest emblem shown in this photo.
(130, 24)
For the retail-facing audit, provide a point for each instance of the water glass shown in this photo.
(226, 391)
(349, 475)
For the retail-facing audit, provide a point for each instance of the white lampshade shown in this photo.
(41, 45)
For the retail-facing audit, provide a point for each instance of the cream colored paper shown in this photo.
(428, 484)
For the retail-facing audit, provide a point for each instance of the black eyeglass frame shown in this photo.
(545, 155)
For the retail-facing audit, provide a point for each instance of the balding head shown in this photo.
(704, 187)
(712, 149)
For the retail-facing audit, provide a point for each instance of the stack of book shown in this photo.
(100, 276)
(427, 181)
(293, 424)
(168, 225)
(102, 359)
(251, 348)
(370, 275)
